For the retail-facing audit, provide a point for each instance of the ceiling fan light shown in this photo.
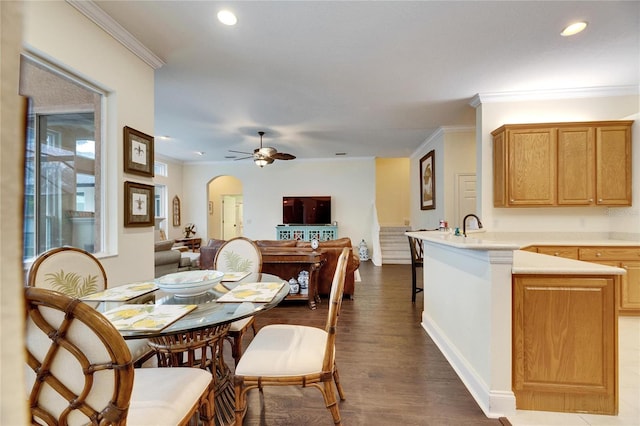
(261, 162)
(227, 17)
(573, 29)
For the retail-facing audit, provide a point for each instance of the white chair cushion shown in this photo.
(163, 396)
(138, 348)
(240, 324)
(284, 350)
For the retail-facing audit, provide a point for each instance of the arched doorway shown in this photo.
(224, 219)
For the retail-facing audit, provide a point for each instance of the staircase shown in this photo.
(394, 245)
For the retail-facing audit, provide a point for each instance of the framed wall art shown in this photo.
(176, 211)
(138, 152)
(428, 181)
(138, 204)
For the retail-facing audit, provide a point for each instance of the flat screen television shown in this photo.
(306, 210)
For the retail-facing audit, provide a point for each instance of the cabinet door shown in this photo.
(576, 166)
(499, 171)
(560, 251)
(564, 344)
(613, 165)
(630, 288)
(531, 170)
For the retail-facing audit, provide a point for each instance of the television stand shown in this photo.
(307, 232)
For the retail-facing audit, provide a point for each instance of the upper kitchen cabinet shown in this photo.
(613, 164)
(562, 164)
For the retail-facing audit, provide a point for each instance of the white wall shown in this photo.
(13, 401)
(349, 182)
(173, 183)
(621, 222)
(454, 153)
(59, 33)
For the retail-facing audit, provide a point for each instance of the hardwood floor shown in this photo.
(391, 371)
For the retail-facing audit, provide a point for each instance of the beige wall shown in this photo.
(58, 32)
(13, 407)
(454, 153)
(350, 183)
(173, 183)
(392, 191)
(619, 222)
(219, 186)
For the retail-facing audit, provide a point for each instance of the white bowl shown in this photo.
(189, 283)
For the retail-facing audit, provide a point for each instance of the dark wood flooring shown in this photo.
(391, 371)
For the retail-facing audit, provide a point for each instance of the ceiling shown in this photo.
(363, 78)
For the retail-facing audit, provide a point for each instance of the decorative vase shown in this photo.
(363, 250)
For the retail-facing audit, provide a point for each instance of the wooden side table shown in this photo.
(288, 263)
(192, 243)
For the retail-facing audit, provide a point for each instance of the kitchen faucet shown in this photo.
(464, 223)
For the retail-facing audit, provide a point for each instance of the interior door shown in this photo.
(231, 216)
(465, 196)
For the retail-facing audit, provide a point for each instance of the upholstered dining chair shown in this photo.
(239, 254)
(288, 355)
(76, 273)
(79, 371)
(417, 261)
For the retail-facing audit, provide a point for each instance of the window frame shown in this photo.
(102, 171)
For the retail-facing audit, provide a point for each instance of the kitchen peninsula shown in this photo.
(523, 330)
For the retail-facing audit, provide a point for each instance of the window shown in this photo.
(63, 183)
(159, 169)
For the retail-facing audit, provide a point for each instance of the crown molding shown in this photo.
(110, 26)
(585, 92)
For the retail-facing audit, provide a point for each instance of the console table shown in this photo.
(288, 263)
(192, 243)
(307, 232)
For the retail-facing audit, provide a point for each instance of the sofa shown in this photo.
(167, 261)
(330, 248)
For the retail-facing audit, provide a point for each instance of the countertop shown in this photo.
(480, 240)
(527, 262)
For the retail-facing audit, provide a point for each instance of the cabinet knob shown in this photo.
(598, 254)
(599, 200)
(591, 200)
(556, 254)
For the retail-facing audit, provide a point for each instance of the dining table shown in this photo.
(206, 319)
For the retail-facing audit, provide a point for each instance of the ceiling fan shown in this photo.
(265, 155)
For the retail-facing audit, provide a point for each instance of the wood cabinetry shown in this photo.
(307, 232)
(562, 164)
(565, 343)
(627, 258)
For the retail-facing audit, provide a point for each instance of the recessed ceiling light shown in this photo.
(200, 153)
(227, 17)
(573, 29)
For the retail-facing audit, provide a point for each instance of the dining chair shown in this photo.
(76, 273)
(239, 254)
(417, 261)
(295, 355)
(79, 371)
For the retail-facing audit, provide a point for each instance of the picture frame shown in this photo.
(428, 181)
(138, 152)
(176, 211)
(138, 204)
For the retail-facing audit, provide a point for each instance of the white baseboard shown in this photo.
(494, 403)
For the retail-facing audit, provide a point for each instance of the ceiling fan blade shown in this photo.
(283, 156)
(242, 158)
(240, 152)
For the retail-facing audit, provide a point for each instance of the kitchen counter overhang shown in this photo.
(468, 305)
